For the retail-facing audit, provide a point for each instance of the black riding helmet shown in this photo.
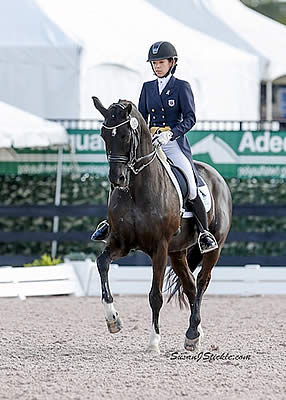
(160, 51)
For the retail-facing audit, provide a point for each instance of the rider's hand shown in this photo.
(162, 138)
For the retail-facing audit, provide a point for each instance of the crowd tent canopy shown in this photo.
(237, 25)
(20, 129)
(39, 63)
(116, 38)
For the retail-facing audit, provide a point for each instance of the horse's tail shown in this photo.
(173, 282)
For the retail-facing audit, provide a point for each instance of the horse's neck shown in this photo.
(149, 180)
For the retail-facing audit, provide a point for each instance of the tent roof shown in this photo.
(197, 15)
(232, 22)
(23, 23)
(21, 129)
(120, 35)
(267, 36)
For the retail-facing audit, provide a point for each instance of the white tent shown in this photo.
(199, 15)
(117, 36)
(39, 63)
(268, 37)
(265, 35)
(20, 129)
(232, 22)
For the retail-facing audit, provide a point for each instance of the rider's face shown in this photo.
(161, 67)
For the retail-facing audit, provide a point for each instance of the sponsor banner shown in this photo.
(259, 154)
(86, 155)
(248, 154)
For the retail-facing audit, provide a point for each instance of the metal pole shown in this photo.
(269, 100)
(57, 199)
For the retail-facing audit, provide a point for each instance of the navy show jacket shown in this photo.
(174, 107)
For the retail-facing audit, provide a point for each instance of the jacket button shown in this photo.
(163, 116)
(154, 117)
(153, 110)
(164, 124)
(163, 109)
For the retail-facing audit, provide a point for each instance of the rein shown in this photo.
(131, 161)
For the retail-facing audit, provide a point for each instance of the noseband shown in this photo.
(130, 161)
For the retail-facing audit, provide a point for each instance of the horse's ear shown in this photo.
(99, 106)
(129, 109)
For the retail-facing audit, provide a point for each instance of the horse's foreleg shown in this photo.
(159, 262)
(111, 315)
(194, 333)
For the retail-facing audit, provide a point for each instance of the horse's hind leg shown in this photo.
(111, 315)
(194, 333)
(181, 269)
(159, 262)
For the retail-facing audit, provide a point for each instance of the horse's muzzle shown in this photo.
(118, 177)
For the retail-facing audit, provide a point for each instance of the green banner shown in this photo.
(259, 154)
(86, 155)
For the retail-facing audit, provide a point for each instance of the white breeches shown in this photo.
(173, 151)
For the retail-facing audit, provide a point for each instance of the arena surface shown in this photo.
(59, 348)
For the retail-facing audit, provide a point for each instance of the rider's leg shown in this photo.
(102, 230)
(206, 240)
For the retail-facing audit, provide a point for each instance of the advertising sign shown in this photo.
(86, 155)
(242, 154)
(259, 154)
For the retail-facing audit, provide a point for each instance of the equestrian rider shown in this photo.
(167, 103)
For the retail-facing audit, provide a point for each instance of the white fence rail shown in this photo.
(245, 281)
(82, 278)
(39, 281)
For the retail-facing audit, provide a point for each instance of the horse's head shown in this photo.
(120, 134)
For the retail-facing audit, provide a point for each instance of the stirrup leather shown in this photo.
(207, 247)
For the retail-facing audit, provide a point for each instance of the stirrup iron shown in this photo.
(207, 247)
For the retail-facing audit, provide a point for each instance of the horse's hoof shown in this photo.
(114, 326)
(193, 344)
(153, 349)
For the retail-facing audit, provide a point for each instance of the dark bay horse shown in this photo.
(144, 213)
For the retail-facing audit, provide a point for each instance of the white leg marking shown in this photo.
(154, 341)
(113, 321)
(109, 311)
(201, 332)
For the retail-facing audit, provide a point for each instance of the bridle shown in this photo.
(131, 161)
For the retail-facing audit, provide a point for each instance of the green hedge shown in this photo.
(89, 189)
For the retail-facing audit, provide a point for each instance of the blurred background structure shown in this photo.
(229, 53)
(39, 63)
(54, 55)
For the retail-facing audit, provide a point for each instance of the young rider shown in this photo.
(167, 104)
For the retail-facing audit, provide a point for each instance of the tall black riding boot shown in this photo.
(206, 240)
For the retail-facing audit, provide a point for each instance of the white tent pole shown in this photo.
(269, 100)
(57, 198)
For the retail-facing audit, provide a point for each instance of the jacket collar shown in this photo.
(169, 86)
